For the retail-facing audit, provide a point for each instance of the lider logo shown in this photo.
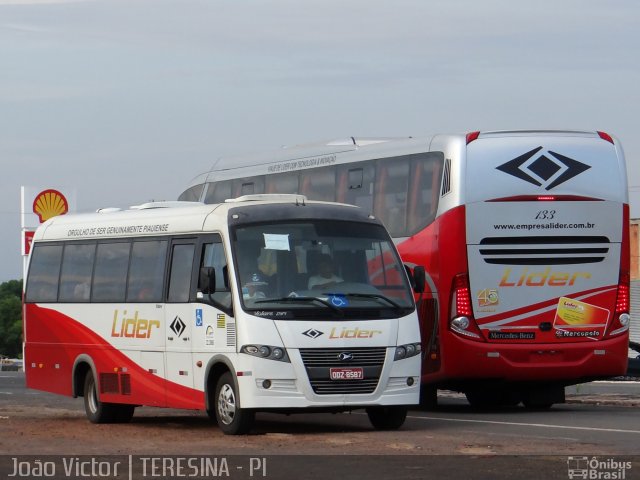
(543, 170)
(50, 203)
(132, 327)
(540, 279)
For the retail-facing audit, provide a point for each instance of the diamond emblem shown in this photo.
(312, 333)
(345, 356)
(544, 168)
(177, 326)
(548, 169)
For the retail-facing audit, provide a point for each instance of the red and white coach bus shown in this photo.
(524, 236)
(225, 307)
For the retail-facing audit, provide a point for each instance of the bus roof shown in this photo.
(349, 149)
(311, 155)
(182, 217)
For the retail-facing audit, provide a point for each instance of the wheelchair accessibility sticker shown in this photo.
(339, 301)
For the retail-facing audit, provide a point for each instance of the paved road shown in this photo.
(624, 388)
(530, 444)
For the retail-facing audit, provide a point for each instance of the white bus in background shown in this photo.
(212, 307)
(524, 236)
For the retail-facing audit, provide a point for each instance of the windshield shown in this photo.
(319, 268)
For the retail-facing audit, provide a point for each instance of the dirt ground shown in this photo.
(50, 430)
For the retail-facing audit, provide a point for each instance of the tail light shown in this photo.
(605, 136)
(621, 317)
(471, 136)
(462, 321)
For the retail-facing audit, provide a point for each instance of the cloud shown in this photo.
(24, 28)
(38, 2)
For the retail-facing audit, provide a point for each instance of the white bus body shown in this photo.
(119, 309)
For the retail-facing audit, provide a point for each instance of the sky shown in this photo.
(127, 101)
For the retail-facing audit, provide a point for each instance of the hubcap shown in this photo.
(93, 397)
(226, 404)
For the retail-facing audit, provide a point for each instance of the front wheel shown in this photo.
(387, 418)
(231, 419)
(429, 397)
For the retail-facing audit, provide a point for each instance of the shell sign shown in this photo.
(37, 205)
(40, 203)
(50, 203)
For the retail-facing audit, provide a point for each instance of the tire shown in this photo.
(543, 398)
(100, 412)
(529, 405)
(484, 400)
(97, 412)
(480, 401)
(124, 413)
(428, 397)
(387, 418)
(231, 419)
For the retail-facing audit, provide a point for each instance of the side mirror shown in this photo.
(412, 280)
(420, 279)
(207, 280)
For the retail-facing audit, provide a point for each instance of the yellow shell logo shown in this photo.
(49, 204)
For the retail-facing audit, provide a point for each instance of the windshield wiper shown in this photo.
(375, 296)
(303, 300)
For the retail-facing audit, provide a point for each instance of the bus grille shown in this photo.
(562, 250)
(317, 363)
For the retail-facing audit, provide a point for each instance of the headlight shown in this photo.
(266, 351)
(407, 351)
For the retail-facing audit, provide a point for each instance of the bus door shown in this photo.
(180, 313)
(212, 319)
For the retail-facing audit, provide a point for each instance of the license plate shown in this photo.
(346, 373)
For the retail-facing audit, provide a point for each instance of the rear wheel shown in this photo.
(543, 398)
(124, 413)
(537, 405)
(492, 399)
(100, 412)
(231, 419)
(387, 418)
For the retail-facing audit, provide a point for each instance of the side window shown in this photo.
(77, 268)
(110, 274)
(44, 271)
(146, 273)
(281, 183)
(355, 185)
(213, 257)
(390, 205)
(192, 194)
(356, 178)
(218, 192)
(248, 186)
(319, 184)
(180, 276)
(424, 190)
